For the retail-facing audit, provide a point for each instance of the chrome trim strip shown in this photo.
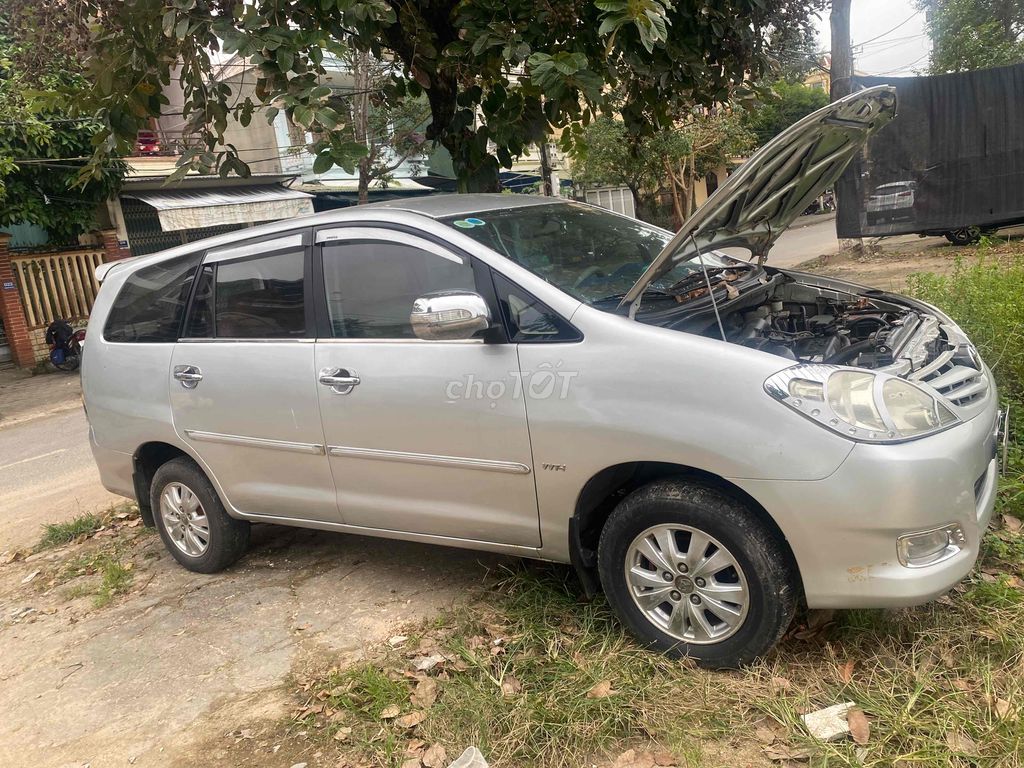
(389, 533)
(266, 246)
(488, 465)
(314, 449)
(399, 341)
(207, 340)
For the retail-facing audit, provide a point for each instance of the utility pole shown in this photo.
(842, 52)
(545, 168)
(841, 78)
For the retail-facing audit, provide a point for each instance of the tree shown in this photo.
(495, 73)
(974, 34)
(674, 159)
(606, 155)
(42, 146)
(389, 128)
(781, 107)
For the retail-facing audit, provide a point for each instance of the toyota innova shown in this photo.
(706, 439)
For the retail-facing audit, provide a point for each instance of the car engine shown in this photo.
(813, 326)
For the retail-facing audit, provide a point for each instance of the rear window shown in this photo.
(151, 305)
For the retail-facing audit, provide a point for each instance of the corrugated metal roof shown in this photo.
(166, 201)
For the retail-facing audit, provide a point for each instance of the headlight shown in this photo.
(861, 405)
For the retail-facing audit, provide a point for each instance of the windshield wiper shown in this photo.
(650, 292)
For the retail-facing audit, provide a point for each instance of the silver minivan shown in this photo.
(706, 439)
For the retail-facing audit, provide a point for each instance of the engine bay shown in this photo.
(808, 324)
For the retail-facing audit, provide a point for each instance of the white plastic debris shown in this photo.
(830, 723)
(471, 758)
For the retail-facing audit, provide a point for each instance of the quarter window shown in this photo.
(527, 318)
(371, 286)
(151, 305)
(260, 298)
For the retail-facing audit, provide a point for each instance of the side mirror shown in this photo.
(449, 315)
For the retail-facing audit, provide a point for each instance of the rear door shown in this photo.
(428, 437)
(243, 390)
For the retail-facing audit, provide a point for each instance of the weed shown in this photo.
(56, 534)
(115, 576)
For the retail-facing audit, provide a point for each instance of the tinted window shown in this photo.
(151, 304)
(200, 317)
(529, 320)
(371, 286)
(261, 298)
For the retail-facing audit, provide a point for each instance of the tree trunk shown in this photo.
(361, 120)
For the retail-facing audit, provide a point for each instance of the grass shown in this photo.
(948, 673)
(58, 534)
(112, 571)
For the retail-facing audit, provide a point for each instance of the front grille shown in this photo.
(959, 383)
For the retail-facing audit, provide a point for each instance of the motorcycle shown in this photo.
(65, 345)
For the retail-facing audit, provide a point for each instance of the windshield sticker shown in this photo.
(475, 222)
(462, 224)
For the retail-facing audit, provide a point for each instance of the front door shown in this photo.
(426, 437)
(243, 389)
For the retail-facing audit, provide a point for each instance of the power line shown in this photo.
(878, 37)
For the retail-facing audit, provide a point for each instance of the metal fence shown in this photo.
(57, 285)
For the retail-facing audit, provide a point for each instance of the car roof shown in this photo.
(440, 206)
(431, 206)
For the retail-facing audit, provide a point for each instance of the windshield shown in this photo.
(591, 254)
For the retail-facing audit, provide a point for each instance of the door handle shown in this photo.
(188, 375)
(340, 380)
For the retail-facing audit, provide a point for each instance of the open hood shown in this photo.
(776, 184)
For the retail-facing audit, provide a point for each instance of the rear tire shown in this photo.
(191, 519)
(728, 590)
(964, 236)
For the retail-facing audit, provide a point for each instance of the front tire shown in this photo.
(964, 235)
(693, 572)
(192, 522)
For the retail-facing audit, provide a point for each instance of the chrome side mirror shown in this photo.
(449, 315)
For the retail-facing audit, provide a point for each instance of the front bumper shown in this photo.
(843, 529)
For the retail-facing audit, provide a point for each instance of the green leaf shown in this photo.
(285, 59)
(323, 163)
(169, 21)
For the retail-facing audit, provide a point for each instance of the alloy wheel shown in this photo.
(687, 584)
(184, 519)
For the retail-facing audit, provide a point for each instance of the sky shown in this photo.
(892, 34)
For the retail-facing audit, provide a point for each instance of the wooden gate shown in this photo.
(57, 285)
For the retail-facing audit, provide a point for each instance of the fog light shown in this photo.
(917, 550)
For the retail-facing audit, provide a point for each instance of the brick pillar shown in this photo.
(11, 311)
(111, 246)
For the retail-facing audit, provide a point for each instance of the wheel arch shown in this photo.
(602, 492)
(146, 460)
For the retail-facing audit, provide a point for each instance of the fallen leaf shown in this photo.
(860, 728)
(389, 712)
(1003, 708)
(846, 672)
(342, 734)
(764, 734)
(960, 742)
(412, 719)
(601, 690)
(415, 746)
(781, 682)
(633, 759)
(435, 756)
(785, 753)
(427, 663)
(510, 686)
(29, 578)
(397, 640)
(412, 762)
(664, 758)
(425, 693)
(1012, 524)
